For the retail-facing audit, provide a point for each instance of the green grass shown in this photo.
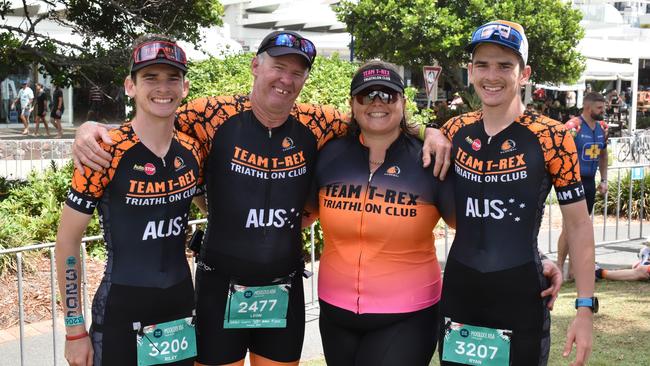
(621, 328)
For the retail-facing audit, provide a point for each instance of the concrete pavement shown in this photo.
(13, 131)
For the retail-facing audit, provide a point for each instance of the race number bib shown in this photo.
(472, 345)
(257, 306)
(166, 342)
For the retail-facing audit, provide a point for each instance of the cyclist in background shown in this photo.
(589, 132)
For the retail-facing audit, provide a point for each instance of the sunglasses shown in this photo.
(366, 97)
(504, 32)
(291, 41)
(153, 50)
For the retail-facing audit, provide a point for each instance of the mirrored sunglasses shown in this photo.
(504, 32)
(156, 49)
(291, 41)
(386, 96)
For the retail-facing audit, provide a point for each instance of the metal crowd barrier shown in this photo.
(605, 233)
(19, 157)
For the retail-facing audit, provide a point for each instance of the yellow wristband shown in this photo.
(423, 128)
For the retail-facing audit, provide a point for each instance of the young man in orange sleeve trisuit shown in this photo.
(505, 162)
(143, 200)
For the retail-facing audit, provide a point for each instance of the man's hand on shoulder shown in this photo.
(86, 150)
(436, 144)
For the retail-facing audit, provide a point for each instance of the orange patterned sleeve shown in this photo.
(87, 186)
(325, 122)
(201, 117)
(454, 124)
(561, 158)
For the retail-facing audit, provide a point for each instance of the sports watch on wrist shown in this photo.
(588, 302)
(432, 124)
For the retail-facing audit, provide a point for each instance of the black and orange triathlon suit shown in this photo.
(143, 203)
(379, 279)
(257, 181)
(493, 276)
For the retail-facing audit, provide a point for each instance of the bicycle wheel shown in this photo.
(624, 151)
(646, 150)
(634, 149)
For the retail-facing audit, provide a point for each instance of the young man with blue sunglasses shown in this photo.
(505, 160)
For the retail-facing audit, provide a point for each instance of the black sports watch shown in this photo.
(432, 124)
(588, 302)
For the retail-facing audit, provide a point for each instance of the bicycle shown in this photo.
(637, 145)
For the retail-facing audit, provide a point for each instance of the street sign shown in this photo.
(431, 75)
(637, 173)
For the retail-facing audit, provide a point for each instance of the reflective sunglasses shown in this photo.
(504, 32)
(386, 96)
(291, 41)
(152, 50)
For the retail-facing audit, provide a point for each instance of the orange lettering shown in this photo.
(262, 162)
(160, 186)
(237, 152)
(288, 160)
(520, 160)
(244, 155)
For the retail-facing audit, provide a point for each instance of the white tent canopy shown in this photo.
(596, 70)
(604, 70)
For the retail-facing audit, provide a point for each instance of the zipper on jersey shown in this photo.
(363, 204)
(483, 155)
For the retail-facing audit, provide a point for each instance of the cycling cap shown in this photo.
(372, 75)
(504, 33)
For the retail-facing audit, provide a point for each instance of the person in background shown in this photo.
(96, 100)
(57, 108)
(589, 132)
(457, 102)
(7, 95)
(640, 270)
(40, 108)
(26, 100)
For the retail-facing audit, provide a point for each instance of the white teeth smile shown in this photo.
(162, 100)
(377, 114)
(281, 91)
(492, 88)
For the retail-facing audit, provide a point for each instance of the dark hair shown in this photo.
(144, 39)
(593, 97)
(404, 124)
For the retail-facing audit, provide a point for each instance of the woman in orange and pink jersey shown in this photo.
(379, 278)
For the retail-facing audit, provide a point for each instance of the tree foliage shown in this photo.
(106, 27)
(417, 32)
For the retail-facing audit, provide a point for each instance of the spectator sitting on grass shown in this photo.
(640, 271)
